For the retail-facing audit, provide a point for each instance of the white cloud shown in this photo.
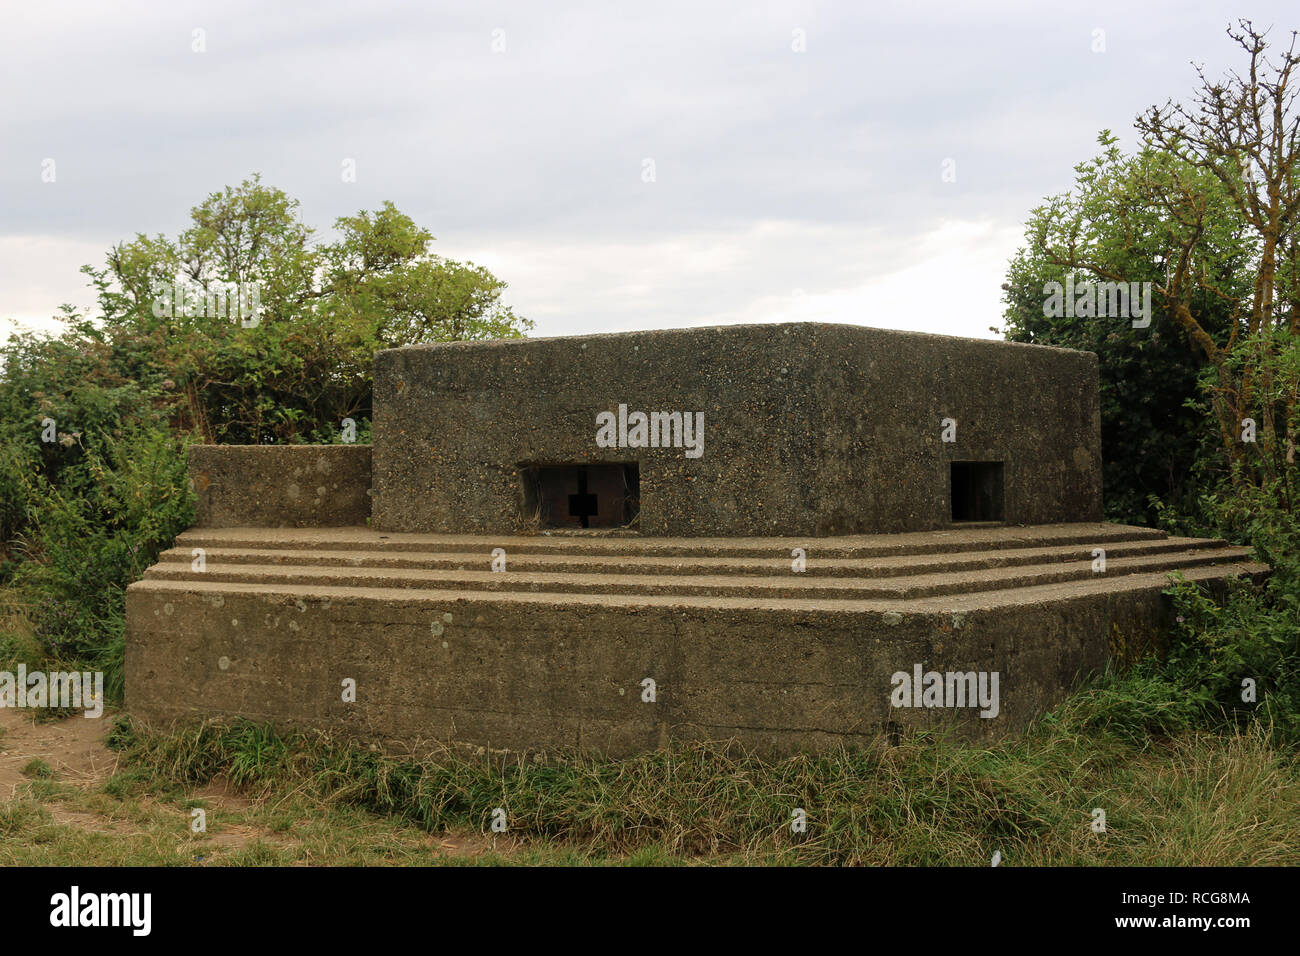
(776, 170)
(38, 274)
(946, 280)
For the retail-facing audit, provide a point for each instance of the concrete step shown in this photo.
(892, 566)
(957, 540)
(1032, 597)
(963, 567)
(788, 585)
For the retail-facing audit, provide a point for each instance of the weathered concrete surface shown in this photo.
(287, 486)
(821, 444)
(772, 663)
(809, 429)
(527, 676)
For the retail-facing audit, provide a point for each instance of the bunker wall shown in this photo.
(809, 429)
(455, 424)
(1033, 413)
(498, 676)
(280, 486)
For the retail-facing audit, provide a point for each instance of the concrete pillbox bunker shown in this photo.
(793, 536)
(806, 430)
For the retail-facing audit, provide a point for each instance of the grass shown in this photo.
(37, 768)
(1191, 799)
(1171, 797)
(1195, 800)
(1178, 786)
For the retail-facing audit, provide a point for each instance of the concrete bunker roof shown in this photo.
(674, 332)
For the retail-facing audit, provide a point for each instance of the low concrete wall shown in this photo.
(281, 486)
(502, 676)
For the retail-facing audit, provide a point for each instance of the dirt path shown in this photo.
(74, 749)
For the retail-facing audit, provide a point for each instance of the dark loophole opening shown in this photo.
(582, 496)
(976, 491)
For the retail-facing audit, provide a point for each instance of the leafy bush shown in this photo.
(95, 421)
(1254, 633)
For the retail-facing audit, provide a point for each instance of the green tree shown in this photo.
(1152, 419)
(1205, 210)
(302, 364)
(124, 392)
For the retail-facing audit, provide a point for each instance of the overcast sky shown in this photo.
(798, 149)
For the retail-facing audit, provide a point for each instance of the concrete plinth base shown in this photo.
(614, 645)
